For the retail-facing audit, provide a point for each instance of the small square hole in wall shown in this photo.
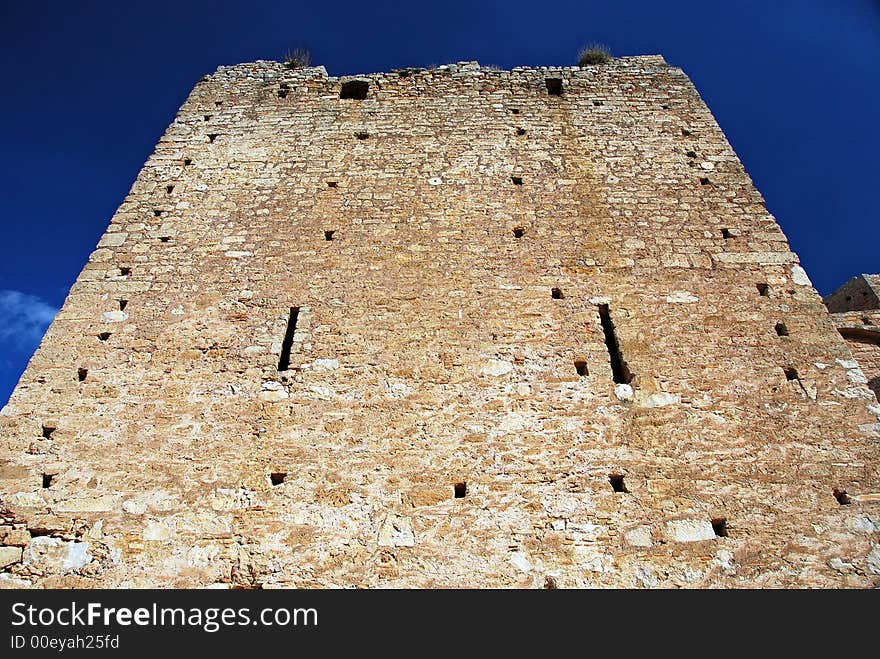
(704, 181)
(514, 110)
(208, 117)
(187, 162)
(218, 103)
(123, 304)
(617, 483)
(212, 136)
(581, 369)
(516, 180)
(103, 336)
(556, 293)
(598, 103)
(362, 135)
(328, 235)
(763, 290)
(781, 329)
(82, 374)
(164, 239)
(520, 131)
(278, 477)
(460, 490)
(157, 212)
(554, 86)
(790, 373)
(124, 271)
(842, 497)
(725, 233)
(283, 90)
(47, 431)
(169, 189)
(332, 184)
(48, 479)
(719, 525)
(354, 89)
(691, 154)
(518, 232)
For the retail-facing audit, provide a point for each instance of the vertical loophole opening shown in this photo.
(617, 483)
(719, 525)
(460, 490)
(287, 344)
(277, 477)
(619, 368)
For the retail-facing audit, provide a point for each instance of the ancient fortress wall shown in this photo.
(525, 338)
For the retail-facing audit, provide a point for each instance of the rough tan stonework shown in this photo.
(856, 307)
(447, 418)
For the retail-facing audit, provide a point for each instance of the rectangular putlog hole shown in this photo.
(48, 479)
(781, 329)
(763, 290)
(123, 304)
(619, 369)
(103, 336)
(284, 359)
(82, 374)
(581, 368)
(516, 180)
(277, 477)
(617, 483)
(328, 234)
(719, 525)
(47, 432)
(790, 373)
(556, 293)
(554, 86)
(460, 490)
(354, 89)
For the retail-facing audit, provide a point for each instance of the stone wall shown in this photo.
(540, 340)
(859, 293)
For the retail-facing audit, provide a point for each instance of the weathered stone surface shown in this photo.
(534, 335)
(54, 555)
(9, 556)
(690, 530)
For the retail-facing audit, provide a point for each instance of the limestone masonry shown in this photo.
(456, 327)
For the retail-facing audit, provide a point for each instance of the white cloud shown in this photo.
(23, 318)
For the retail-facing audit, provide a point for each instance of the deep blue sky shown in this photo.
(88, 88)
